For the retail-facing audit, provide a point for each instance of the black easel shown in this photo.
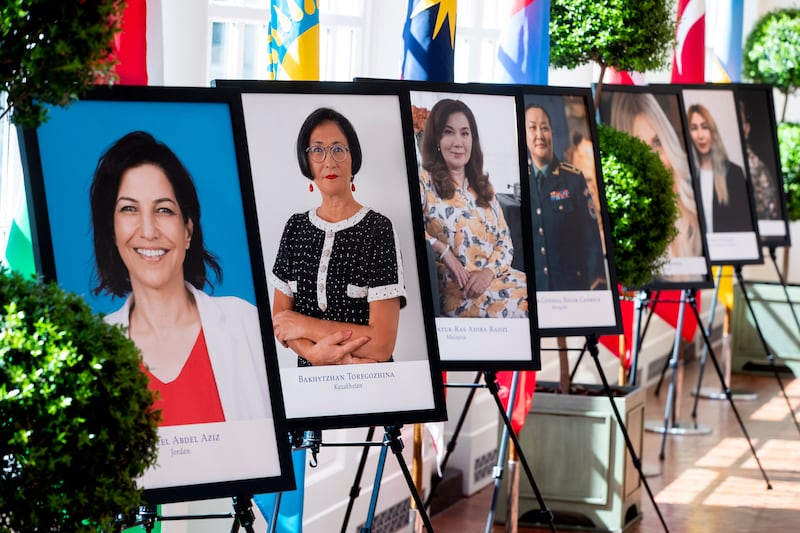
(591, 345)
(392, 440)
(243, 515)
(783, 284)
(688, 296)
(355, 489)
(544, 514)
(474, 386)
(770, 357)
(671, 415)
(709, 394)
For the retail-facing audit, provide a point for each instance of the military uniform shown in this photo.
(567, 253)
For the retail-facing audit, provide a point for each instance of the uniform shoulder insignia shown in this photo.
(570, 168)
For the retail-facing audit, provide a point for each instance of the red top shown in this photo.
(192, 397)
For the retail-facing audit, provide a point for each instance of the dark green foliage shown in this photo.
(76, 419)
(626, 35)
(641, 205)
(52, 50)
(771, 51)
(789, 146)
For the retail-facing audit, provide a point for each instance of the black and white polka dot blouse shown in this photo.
(333, 270)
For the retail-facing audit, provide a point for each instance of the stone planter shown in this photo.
(777, 324)
(579, 459)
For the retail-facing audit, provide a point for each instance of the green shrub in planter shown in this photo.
(77, 425)
(641, 205)
(771, 52)
(789, 146)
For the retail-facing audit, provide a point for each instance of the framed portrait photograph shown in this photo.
(760, 137)
(118, 182)
(338, 224)
(468, 161)
(718, 156)
(576, 287)
(655, 116)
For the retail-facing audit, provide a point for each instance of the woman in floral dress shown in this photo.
(463, 221)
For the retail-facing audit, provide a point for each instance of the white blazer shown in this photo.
(233, 338)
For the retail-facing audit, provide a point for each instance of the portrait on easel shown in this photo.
(118, 221)
(712, 122)
(470, 187)
(346, 270)
(760, 137)
(572, 252)
(655, 116)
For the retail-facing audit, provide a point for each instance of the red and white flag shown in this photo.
(688, 64)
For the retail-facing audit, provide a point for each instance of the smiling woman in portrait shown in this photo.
(464, 223)
(338, 274)
(203, 354)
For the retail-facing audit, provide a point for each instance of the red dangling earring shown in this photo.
(352, 186)
(310, 187)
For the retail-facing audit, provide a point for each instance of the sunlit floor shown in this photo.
(708, 483)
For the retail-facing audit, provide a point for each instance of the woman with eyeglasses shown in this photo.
(463, 221)
(338, 274)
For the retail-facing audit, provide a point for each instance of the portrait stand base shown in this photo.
(688, 297)
(767, 351)
(706, 392)
(490, 383)
(710, 393)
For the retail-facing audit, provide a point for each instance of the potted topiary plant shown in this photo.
(789, 147)
(51, 51)
(641, 203)
(771, 52)
(77, 426)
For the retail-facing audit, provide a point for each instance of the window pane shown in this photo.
(219, 31)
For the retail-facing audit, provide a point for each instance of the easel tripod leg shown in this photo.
(491, 383)
(727, 390)
(770, 357)
(591, 342)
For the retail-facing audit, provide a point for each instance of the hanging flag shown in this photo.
(293, 40)
(429, 38)
(290, 512)
(523, 54)
(624, 77)
(18, 251)
(525, 387)
(129, 47)
(688, 64)
(727, 41)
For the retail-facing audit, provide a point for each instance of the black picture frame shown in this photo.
(573, 302)
(467, 338)
(409, 389)
(760, 139)
(655, 114)
(731, 229)
(247, 453)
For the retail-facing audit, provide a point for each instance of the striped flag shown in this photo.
(293, 40)
(727, 41)
(429, 37)
(523, 54)
(688, 64)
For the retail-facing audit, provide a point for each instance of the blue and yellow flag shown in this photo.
(727, 42)
(429, 38)
(293, 40)
(523, 54)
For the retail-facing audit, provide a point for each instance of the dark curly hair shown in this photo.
(433, 162)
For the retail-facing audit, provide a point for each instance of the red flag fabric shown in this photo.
(688, 64)
(525, 388)
(130, 45)
(620, 345)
